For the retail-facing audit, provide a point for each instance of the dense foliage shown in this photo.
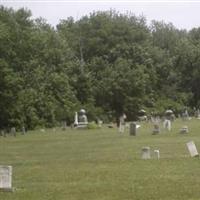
(107, 63)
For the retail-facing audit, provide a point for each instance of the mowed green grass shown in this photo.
(102, 165)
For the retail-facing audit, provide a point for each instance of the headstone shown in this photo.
(13, 131)
(5, 178)
(76, 119)
(99, 123)
(42, 130)
(133, 128)
(167, 124)
(3, 133)
(156, 129)
(64, 125)
(185, 115)
(198, 114)
(23, 130)
(184, 130)
(122, 123)
(157, 153)
(192, 149)
(146, 153)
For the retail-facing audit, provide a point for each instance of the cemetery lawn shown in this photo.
(102, 164)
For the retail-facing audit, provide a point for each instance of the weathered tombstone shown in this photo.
(122, 123)
(23, 130)
(198, 114)
(184, 130)
(185, 115)
(76, 119)
(64, 125)
(13, 131)
(156, 129)
(192, 149)
(42, 130)
(146, 153)
(99, 123)
(157, 153)
(167, 124)
(5, 178)
(133, 128)
(3, 133)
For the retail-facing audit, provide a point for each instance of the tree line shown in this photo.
(107, 63)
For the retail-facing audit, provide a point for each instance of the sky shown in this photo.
(183, 14)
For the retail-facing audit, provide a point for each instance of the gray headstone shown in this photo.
(5, 178)
(23, 130)
(13, 131)
(192, 149)
(146, 153)
(167, 124)
(184, 129)
(133, 128)
(156, 129)
(122, 123)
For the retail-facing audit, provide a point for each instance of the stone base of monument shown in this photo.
(82, 125)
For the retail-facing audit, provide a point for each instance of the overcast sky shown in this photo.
(183, 14)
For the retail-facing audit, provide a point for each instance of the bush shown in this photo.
(92, 125)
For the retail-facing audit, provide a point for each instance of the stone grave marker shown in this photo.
(13, 131)
(146, 153)
(23, 130)
(167, 124)
(156, 129)
(157, 153)
(192, 149)
(64, 125)
(122, 123)
(184, 129)
(133, 128)
(5, 178)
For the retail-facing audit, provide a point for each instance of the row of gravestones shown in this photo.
(134, 126)
(6, 171)
(146, 151)
(12, 132)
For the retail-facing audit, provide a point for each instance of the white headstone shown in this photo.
(5, 177)
(157, 153)
(76, 119)
(122, 123)
(192, 149)
(146, 153)
(167, 124)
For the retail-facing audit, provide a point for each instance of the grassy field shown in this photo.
(102, 165)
